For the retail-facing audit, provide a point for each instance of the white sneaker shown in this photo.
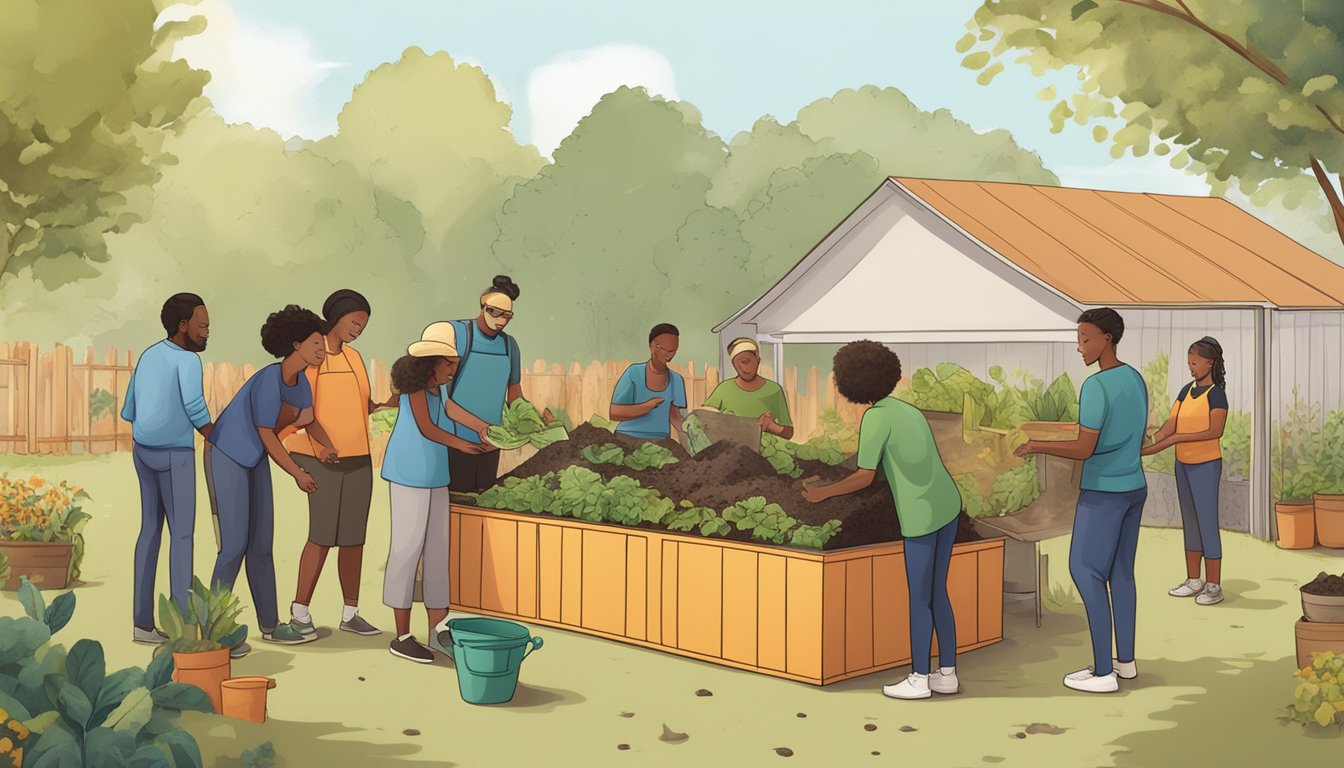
(1083, 680)
(913, 687)
(1212, 595)
(945, 683)
(1125, 671)
(1187, 588)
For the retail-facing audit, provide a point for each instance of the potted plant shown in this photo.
(40, 531)
(1296, 513)
(200, 637)
(1329, 509)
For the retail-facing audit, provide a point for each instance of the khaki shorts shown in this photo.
(338, 511)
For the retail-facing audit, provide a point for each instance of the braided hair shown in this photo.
(1209, 349)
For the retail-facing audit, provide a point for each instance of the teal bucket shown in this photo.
(488, 654)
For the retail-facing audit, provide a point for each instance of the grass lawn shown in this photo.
(1212, 683)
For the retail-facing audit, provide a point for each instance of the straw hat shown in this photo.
(437, 339)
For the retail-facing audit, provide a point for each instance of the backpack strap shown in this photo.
(465, 332)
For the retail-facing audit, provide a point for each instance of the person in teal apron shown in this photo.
(489, 377)
(648, 398)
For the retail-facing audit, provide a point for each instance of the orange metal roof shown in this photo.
(1127, 248)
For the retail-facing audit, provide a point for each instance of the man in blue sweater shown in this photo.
(165, 403)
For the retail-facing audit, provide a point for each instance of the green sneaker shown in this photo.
(304, 627)
(285, 634)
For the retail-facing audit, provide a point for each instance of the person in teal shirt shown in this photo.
(751, 395)
(1112, 421)
(895, 437)
(648, 398)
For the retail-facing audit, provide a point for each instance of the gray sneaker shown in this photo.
(304, 627)
(287, 635)
(359, 626)
(436, 643)
(1212, 595)
(148, 636)
(240, 650)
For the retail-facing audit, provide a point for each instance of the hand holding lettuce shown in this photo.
(524, 425)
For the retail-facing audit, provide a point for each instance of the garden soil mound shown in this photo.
(1326, 584)
(726, 473)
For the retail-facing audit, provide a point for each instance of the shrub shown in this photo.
(1319, 696)
(382, 422)
(34, 510)
(208, 623)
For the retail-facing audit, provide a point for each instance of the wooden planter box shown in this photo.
(45, 563)
(814, 617)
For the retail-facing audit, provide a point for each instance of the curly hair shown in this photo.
(290, 326)
(177, 309)
(412, 374)
(866, 371)
(1209, 349)
(1107, 320)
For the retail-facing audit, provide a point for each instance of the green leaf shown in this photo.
(181, 747)
(59, 747)
(106, 748)
(160, 671)
(1319, 83)
(42, 722)
(1083, 7)
(20, 638)
(182, 697)
(13, 706)
(149, 756)
(31, 598)
(976, 60)
(114, 692)
(74, 703)
(133, 712)
(965, 43)
(59, 612)
(87, 667)
(1325, 715)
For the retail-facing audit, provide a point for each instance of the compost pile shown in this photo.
(727, 473)
(1326, 584)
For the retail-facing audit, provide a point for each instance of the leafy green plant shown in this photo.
(688, 516)
(261, 756)
(34, 510)
(523, 425)
(526, 494)
(101, 403)
(1024, 397)
(815, 536)
(72, 712)
(695, 434)
(1319, 696)
(766, 521)
(650, 456)
(972, 500)
(579, 495)
(944, 388)
(779, 453)
(606, 453)
(602, 422)
(1014, 489)
(208, 623)
(836, 430)
(561, 416)
(382, 422)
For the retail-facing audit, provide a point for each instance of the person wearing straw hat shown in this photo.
(489, 377)
(750, 394)
(418, 473)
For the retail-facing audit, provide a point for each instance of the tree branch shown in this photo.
(1331, 195)
(1188, 16)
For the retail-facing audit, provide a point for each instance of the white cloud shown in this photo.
(260, 73)
(1133, 174)
(563, 91)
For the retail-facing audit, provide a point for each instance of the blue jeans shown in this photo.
(927, 559)
(245, 514)
(1197, 487)
(167, 495)
(1101, 561)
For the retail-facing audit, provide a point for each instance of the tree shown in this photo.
(1246, 93)
(88, 93)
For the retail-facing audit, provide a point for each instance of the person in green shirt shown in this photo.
(750, 394)
(895, 437)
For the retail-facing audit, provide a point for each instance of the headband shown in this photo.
(742, 345)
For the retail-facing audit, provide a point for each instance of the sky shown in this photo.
(291, 65)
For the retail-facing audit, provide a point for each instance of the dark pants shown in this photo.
(472, 472)
(244, 511)
(167, 495)
(1197, 487)
(927, 559)
(1101, 561)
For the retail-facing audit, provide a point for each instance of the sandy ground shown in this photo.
(1213, 681)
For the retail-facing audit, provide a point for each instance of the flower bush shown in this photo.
(32, 509)
(1319, 696)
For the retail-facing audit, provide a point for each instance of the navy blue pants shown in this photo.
(167, 495)
(245, 515)
(927, 559)
(1197, 486)
(1101, 561)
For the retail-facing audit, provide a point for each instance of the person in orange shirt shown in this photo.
(1198, 418)
(338, 512)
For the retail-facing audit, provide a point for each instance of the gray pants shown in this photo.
(244, 510)
(419, 527)
(167, 495)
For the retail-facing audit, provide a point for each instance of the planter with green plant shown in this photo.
(200, 637)
(41, 531)
(62, 708)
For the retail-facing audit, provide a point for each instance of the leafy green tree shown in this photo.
(88, 95)
(1245, 93)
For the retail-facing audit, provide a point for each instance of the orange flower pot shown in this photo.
(206, 670)
(1330, 520)
(1297, 524)
(245, 698)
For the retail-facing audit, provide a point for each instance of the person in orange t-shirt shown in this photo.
(1198, 418)
(338, 512)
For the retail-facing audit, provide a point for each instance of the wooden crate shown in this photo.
(814, 617)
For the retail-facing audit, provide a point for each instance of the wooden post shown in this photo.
(60, 398)
(88, 393)
(34, 399)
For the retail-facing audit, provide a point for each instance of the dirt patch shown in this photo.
(783, 751)
(1325, 584)
(1037, 729)
(908, 729)
(672, 737)
(870, 727)
(702, 692)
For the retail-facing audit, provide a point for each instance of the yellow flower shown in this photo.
(18, 757)
(3, 714)
(6, 746)
(20, 730)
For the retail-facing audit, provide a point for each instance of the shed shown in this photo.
(985, 274)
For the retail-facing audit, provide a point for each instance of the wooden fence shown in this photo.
(51, 404)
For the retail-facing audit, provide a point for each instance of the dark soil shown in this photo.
(1326, 584)
(783, 751)
(726, 473)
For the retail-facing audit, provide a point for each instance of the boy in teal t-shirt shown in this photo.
(895, 437)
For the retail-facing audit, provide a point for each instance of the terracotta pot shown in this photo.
(206, 670)
(1329, 520)
(245, 698)
(1327, 609)
(1315, 637)
(45, 563)
(1297, 524)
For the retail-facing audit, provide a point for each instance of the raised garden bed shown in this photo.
(809, 616)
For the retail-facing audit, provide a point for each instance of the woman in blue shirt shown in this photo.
(416, 467)
(1112, 421)
(648, 397)
(237, 475)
